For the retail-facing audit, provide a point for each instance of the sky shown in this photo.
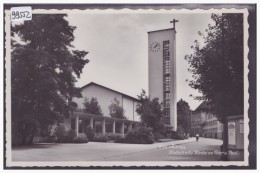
(118, 48)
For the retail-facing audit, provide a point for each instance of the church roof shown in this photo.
(125, 95)
(160, 30)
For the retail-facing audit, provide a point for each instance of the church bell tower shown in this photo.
(162, 71)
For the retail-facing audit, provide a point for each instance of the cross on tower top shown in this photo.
(173, 22)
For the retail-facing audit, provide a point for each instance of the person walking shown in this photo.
(197, 137)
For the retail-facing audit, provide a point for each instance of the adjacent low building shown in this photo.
(213, 128)
(198, 120)
(204, 123)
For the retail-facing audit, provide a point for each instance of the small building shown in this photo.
(198, 121)
(79, 120)
(213, 128)
(204, 123)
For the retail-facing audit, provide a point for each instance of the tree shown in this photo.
(92, 106)
(151, 113)
(116, 111)
(183, 112)
(217, 67)
(44, 67)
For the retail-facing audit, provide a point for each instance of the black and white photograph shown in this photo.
(128, 86)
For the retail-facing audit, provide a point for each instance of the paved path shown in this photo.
(101, 151)
(203, 150)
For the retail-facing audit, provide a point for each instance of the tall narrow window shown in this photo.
(166, 81)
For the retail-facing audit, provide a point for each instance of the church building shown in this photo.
(79, 120)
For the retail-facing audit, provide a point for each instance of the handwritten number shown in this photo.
(13, 14)
(17, 15)
(27, 14)
(21, 14)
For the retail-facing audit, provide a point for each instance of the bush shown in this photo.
(60, 133)
(141, 135)
(24, 131)
(120, 139)
(49, 139)
(159, 136)
(113, 137)
(71, 135)
(81, 140)
(67, 136)
(179, 134)
(89, 133)
(100, 138)
(64, 136)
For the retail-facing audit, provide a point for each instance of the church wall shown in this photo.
(104, 97)
(128, 106)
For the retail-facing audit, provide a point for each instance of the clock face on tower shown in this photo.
(155, 46)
